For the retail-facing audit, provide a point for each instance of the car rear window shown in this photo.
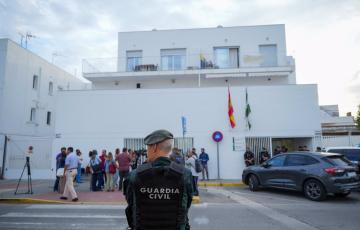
(337, 160)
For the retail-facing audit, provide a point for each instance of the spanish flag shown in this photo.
(231, 110)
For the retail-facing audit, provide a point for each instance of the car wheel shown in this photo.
(344, 194)
(314, 190)
(253, 183)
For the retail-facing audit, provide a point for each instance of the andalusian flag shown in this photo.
(247, 110)
(231, 110)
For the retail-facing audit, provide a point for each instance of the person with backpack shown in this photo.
(193, 163)
(110, 170)
(95, 171)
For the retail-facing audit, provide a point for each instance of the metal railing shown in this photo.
(181, 63)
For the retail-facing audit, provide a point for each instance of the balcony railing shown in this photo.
(182, 63)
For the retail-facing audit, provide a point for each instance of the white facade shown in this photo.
(114, 115)
(160, 76)
(28, 92)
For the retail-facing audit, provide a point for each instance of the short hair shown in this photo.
(70, 149)
(63, 148)
(124, 149)
(166, 146)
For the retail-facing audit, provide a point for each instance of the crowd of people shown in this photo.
(250, 159)
(108, 171)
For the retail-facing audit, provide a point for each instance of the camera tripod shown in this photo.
(29, 183)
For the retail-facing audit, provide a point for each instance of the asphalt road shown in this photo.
(267, 209)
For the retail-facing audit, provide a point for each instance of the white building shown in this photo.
(160, 76)
(29, 86)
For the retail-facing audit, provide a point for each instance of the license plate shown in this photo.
(351, 174)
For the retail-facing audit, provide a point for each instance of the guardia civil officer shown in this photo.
(159, 192)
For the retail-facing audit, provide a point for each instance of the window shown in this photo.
(226, 57)
(277, 161)
(48, 118)
(337, 160)
(133, 59)
(35, 82)
(33, 115)
(51, 88)
(299, 160)
(173, 59)
(269, 55)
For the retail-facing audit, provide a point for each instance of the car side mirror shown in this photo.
(266, 165)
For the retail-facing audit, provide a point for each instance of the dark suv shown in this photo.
(317, 174)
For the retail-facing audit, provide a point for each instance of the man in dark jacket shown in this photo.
(159, 193)
(60, 163)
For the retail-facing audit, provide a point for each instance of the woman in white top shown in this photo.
(190, 164)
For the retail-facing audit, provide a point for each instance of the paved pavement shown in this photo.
(221, 208)
(43, 190)
(233, 207)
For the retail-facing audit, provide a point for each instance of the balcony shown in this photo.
(246, 65)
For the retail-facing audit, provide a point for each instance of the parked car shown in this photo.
(351, 153)
(316, 174)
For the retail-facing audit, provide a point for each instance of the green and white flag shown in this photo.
(247, 110)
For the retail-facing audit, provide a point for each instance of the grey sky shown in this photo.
(322, 35)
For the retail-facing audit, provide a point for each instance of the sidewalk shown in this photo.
(43, 193)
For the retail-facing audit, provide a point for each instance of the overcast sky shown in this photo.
(322, 35)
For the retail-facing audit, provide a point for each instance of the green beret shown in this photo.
(157, 137)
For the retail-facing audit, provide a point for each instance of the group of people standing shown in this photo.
(108, 171)
(249, 156)
(196, 164)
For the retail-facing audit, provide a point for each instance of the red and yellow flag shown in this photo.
(231, 111)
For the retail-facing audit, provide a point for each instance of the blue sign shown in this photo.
(217, 136)
(183, 121)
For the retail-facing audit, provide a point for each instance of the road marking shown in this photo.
(73, 206)
(273, 197)
(55, 215)
(288, 221)
(72, 224)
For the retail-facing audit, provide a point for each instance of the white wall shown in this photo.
(196, 41)
(18, 66)
(103, 118)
